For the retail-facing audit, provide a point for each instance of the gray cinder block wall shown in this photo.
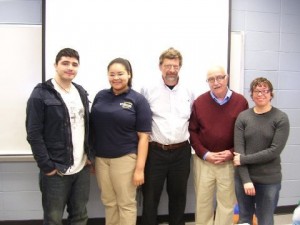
(272, 49)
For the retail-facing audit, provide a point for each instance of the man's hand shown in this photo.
(88, 162)
(227, 155)
(53, 172)
(219, 157)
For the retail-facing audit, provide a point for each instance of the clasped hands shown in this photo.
(219, 157)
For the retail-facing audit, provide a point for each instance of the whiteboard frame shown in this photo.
(237, 64)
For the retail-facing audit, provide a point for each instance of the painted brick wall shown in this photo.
(272, 49)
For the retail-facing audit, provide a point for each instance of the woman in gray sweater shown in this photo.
(260, 136)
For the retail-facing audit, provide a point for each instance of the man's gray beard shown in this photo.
(171, 78)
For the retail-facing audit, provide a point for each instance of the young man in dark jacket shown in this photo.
(57, 130)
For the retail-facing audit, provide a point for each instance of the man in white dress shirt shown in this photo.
(169, 150)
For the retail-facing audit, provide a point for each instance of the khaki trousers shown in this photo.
(213, 182)
(118, 194)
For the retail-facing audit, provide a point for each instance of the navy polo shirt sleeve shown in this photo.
(143, 115)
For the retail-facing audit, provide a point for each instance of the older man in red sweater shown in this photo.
(211, 134)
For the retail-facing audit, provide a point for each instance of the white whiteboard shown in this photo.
(138, 30)
(20, 71)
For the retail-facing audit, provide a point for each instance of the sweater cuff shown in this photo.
(242, 159)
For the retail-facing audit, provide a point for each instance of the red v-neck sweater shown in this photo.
(212, 125)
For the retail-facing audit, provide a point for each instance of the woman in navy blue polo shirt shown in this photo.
(120, 124)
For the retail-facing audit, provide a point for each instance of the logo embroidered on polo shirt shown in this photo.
(126, 105)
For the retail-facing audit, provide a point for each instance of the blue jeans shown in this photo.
(263, 204)
(61, 191)
(172, 166)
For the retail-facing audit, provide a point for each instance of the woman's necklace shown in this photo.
(64, 89)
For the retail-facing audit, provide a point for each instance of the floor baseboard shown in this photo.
(189, 217)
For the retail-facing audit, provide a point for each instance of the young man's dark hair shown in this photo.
(67, 52)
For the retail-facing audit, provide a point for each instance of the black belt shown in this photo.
(171, 146)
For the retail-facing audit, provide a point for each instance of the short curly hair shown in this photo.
(259, 82)
(170, 53)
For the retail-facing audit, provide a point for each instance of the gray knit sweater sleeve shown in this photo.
(260, 139)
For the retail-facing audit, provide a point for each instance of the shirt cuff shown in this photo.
(204, 156)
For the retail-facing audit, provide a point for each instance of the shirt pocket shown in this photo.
(54, 109)
(183, 108)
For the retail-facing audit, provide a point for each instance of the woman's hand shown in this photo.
(249, 189)
(237, 159)
(138, 178)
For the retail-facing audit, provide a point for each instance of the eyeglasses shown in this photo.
(169, 66)
(263, 92)
(217, 78)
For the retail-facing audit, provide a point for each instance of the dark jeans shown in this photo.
(61, 191)
(174, 167)
(263, 204)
